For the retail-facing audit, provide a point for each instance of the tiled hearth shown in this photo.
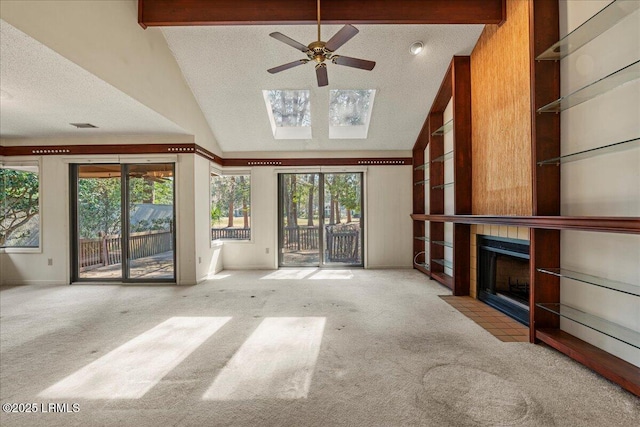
(499, 325)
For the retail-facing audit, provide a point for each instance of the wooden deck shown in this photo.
(159, 266)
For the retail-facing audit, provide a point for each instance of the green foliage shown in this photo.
(98, 207)
(99, 204)
(19, 202)
(230, 191)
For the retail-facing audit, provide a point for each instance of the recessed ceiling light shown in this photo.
(84, 125)
(416, 47)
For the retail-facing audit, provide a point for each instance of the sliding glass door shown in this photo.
(320, 219)
(343, 220)
(123, 222)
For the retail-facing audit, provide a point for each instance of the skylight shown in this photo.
(350, 113)
(289, 113)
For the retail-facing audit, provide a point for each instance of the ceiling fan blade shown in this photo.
(341, 37)
(291, 42)
(287, 66)
(321, 74)
(354, 62)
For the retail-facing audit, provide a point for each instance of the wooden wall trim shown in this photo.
(461, 95)
(256, 12)
(620, 224)
(97, 149)
(545, 88)
(116, 149)
(203, 152)
(326, 161)
(544, 252)
(445, 91)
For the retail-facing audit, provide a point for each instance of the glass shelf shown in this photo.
(443, 243)
(625, 75)
(593, 280)
(445, 156)
(424, 181)
(445, 128)
(443, 262)
(611, 329)
(589, 30)
(424, 239)
(605, 149)
(422, 167)
(438, 187)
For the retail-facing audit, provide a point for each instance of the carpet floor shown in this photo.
(281, 348)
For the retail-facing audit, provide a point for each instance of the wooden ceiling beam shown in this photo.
(260, 12)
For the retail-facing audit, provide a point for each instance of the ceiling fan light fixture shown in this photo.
(416, 47)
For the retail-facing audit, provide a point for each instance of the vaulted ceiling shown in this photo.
(225, 68)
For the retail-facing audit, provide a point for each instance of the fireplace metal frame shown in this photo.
(490, 246)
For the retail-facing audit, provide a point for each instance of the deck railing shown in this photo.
(231, 233)
(343, 246)
(300, 238)
(107, 250)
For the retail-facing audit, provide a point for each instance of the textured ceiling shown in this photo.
(46, 92)
(225, 67)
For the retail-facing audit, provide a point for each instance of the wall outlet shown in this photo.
(49, 261)
(266, 250)
(199, 260)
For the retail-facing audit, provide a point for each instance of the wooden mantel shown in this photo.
(255, 12)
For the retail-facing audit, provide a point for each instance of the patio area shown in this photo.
(159, 266)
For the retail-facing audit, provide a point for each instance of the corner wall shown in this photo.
(20, 268)
(387, 221)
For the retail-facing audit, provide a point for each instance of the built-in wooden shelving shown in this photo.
(546, 307)
(455, 86)
(545, 221)
(585, 223)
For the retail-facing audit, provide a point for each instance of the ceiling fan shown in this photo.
(319, 52)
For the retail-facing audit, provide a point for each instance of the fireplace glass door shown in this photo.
(503, 276)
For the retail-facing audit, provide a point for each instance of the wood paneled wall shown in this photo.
(501, 114)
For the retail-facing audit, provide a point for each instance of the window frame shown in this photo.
(11, 164)
(215, 172)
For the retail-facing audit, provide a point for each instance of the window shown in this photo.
(350, 113)
(289, 113)
(20, 206)
(231, 206)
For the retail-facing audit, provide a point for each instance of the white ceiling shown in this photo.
(46, 92)
(225, 66)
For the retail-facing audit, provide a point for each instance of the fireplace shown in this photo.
(503, 275)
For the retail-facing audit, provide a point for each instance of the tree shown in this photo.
(99, 211)
(230, 200)
(244, 190)
(311, 191)
(229, 192)
(19, 201)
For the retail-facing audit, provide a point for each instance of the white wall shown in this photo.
(32, 267)
(388, 225)
(389, 201)
(208, 259)
(19, 268)
(606, 185)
